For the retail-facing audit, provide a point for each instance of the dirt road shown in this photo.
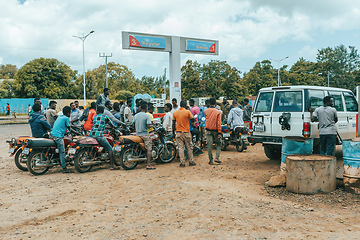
(228, 201)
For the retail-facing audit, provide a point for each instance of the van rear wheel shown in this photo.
(272, 152)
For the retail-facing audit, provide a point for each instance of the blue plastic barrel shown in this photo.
(351, 161)
(294, 145)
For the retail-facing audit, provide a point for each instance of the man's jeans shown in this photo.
(61, 146)
(327, 144)
(213, 136)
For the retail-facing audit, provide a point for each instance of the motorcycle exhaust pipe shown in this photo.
(90, 163)
(136, 159)
(44, 164)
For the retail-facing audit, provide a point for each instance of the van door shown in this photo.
(351, 107)
(262, 114)
(342, 124)
(287, 104)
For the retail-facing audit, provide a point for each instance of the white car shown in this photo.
(284, 111)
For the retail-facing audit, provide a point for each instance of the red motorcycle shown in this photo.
(16, 148)
(87, 152)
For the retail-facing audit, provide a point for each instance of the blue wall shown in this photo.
(20, 105)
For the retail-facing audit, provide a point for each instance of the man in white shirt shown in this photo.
(128, 117)
(167, 122)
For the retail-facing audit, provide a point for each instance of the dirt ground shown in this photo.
(228, 201)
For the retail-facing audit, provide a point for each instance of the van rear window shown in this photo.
(264, 102)
(288, 101)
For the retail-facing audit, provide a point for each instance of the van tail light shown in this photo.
(250, 127)
(306, 129)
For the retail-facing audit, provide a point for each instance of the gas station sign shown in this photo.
(147, 41)
(200, 46)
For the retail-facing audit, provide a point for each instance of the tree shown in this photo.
(6, 88)
(260, 76)
(191, 84)
(45, 77)
(305, 73)
(8, 71)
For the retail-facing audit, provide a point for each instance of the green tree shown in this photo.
(305, 73)
(260, 76)
(45, 77)
(6, 88)
(8, 71)
(191, 84)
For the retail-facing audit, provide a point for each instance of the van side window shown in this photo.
(316, 98)
(338, 103)
(264, 103)
(288, 101)
(350, 102)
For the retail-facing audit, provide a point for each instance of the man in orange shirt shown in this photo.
(90, 118)
(181, 124)
(213, 130)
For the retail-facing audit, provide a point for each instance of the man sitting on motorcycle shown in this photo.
(99, 124)
(38, 123)
(235, 117)
(62, 123)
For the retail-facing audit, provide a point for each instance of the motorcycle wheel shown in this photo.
(18, 158)
(117, 156)
(240, 145)
(223, 144)
(79, 159)
(34, 157)
(168, 153)
(125, 154)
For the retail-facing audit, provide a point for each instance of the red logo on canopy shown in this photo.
(176, 84)
(212, 48)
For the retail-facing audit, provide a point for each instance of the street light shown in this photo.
(278, 61)
(83, 40)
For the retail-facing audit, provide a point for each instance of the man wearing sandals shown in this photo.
(99, 123)
(213, 130)
(142, 123)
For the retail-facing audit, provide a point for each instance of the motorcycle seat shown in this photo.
(41, 142)
(130, 139)
(241, 129)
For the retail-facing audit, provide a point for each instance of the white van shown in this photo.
(284, 111)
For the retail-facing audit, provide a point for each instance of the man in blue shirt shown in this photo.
(202, 121)
(38, 124)
(75, 115)
(61, 124)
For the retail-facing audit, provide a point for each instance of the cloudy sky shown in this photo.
(248, 30)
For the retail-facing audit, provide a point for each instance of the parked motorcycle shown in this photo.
(44, 154)
(134, 151)
(238, 137)
(16, 146)
(87, 152)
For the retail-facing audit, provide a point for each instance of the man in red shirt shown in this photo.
(90, 118)
(213, 130)
(181, 125)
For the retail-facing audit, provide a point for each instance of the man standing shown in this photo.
(51, 113)
(38, 124)
(75, 115)
(181, 124)
(90, 117)
(202, 120)
(213, 130)
(99, 124)
(142, 123)
(61, 124)
(247, 112)
(225, 108)
(175, 106)
(102, 98)
(235, 117)
(167, 122)
(8, 109)
(327, 117)
(194, 111)
(128, 117)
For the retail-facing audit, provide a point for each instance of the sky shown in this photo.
(248, 31)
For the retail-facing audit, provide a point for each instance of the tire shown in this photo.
(34, 157)
(125, 154)
(79, 159)
(168, 153)
(223, 144)
(20, 165)
(240, 145)
(274, 153)
(117, 157)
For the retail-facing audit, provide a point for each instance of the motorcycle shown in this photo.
(238, 137)
(134, 150)
(43, 152)
(16, 146)
(87, 152)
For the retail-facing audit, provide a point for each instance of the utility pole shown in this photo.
(328, 79)
(106, 73)
(164, 80)
(278, 61)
